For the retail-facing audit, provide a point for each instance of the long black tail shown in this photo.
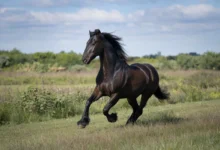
(161, 94)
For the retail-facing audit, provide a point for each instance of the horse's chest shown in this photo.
(112, 85)
(106, 88)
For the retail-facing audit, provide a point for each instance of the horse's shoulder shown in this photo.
(99, 77)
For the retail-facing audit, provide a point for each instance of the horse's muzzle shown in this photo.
(85, 61)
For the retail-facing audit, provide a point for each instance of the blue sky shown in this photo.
(146, 26)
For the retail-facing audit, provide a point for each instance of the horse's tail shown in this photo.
(161, 94)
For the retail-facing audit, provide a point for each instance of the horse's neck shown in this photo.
(108, 62)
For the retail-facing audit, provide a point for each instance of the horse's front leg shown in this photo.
(84, 121)
(113, 100)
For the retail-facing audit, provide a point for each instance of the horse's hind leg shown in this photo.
(144, 99)
(134, 105)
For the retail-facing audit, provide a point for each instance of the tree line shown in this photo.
(15, 57)
(208, 60)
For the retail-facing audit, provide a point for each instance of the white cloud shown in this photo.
(2, 10)
(177, 12)
(14, 15)
(5, 10)
(194, 11)
(99, 15)
(177, 18)
(60, 3)
(110, 0)
(45, 2)
(130, 24)
(83, 15)
(42, 3)
(136, 15)
(173, 21)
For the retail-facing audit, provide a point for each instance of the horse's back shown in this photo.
(148, 70)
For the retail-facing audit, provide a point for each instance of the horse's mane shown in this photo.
(117, 45)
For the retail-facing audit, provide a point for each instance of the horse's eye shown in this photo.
(94, 42)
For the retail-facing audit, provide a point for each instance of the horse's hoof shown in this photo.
(113, 117)
(83, 123)
(81, 126)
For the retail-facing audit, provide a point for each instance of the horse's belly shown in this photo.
(133, 89)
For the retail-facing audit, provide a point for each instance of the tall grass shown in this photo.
(50, 78)
(33, 97)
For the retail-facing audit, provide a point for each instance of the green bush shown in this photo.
(39, 101)
(5, 113)
(45, 103)
(39, 104)
(4, 61)
(204, 79)
(203, 85)
(187, 61)
(164, 63)
(210, 60)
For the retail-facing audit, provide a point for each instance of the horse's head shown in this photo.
(94, 46)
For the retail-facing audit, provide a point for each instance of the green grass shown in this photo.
(194, 125)
(49, 78)
(18, 103)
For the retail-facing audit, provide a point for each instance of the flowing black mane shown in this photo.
(117, 45)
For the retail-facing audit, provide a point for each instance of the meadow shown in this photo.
(192, 126)
(29, 97)
(39, 110)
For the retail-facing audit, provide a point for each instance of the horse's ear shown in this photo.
(90, 33)
(97, 31)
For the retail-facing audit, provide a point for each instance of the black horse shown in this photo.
(117, 79)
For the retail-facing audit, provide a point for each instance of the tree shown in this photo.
(4, 61)
(210, 60)
(187, 61)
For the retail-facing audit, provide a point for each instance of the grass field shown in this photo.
(184, 126)
(40, 111)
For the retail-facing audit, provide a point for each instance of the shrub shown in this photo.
(164, 63)
(203, 79)
(4, 61)
(210, 60)
(186, 61)
(45, 103)
(39, 101)
(39, 104)
(5, 113)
